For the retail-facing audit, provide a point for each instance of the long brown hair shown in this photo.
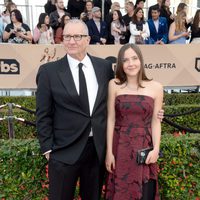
(179, 22)
(166, 8)
(181, 7)
(134, 17)
(196, 20)
(120, 74)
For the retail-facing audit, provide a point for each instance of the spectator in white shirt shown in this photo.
(139, 28)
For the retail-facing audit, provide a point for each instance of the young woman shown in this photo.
(165, 11)
(139, 28)
(132, 126)
(118, 27)
(177, 30)
(87, 13)
(183, 7)
(59, 32)
(6, 14)
(109, 18)
(17, 31)
(195, 35)
(43, 33)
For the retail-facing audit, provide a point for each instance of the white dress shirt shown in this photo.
(134, 32)
(156, 24)
(90, 76)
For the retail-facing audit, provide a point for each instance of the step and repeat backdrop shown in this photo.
(172, 65)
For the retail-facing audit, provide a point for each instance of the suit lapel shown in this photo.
(66, 77)
(159, 25)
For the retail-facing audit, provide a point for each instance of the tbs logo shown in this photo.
(9, 66)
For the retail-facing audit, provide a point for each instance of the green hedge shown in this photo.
(190, 121)
(28, 102)
(21, 130)
(169, 99)
(179, 176)
(22, 169)
(174, 103)
(181, 98)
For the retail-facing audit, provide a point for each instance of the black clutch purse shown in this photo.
(142, 155)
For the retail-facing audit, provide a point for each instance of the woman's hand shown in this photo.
(172, 16)
(160, 114)
(19, 34)
(110, 162)
(43, 28)
(152, 157)
(185, 34)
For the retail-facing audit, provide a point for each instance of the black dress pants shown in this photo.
(63, 177)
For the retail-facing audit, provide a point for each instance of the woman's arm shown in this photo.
(110, 161)
(134, 30)
(51, 35)
(36, 34)
(156, 124)
(113, 31)
(6, 35)
(26, 36)
(146, 32)
(8, 32)
(172, 30)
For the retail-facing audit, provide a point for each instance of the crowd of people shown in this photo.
(161, 27)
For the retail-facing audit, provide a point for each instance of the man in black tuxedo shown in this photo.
(71, 116)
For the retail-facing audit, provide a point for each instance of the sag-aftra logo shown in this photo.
(9, 66)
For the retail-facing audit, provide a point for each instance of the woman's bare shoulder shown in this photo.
(152, 84)
(115, 85)
(114, 82)
(156, 84)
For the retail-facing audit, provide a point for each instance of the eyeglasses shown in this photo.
(75, 37)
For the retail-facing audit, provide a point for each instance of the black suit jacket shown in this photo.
(62, 124)
(54, 16)
(94, 32)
